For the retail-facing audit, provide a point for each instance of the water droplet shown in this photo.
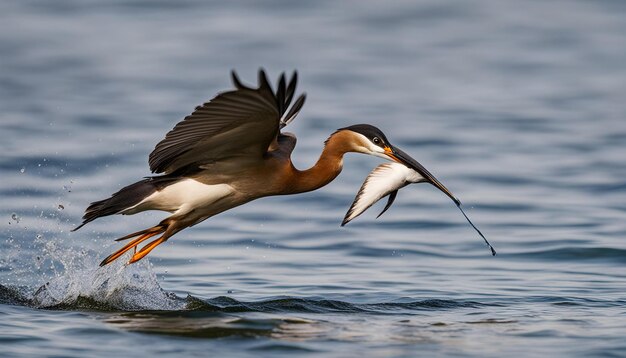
(22, 170)
(15, 217)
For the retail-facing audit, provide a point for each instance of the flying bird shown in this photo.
(228, 152)
(385, 181)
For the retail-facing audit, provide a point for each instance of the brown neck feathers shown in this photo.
(327, 167)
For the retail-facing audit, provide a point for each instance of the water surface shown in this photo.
(517, 108)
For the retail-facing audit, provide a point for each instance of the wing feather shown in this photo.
(240, 122)
(293, 112)
(280, 93)
(291, 89)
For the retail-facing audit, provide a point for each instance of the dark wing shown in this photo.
(244, 122)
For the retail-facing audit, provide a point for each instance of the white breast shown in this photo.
(182, 197)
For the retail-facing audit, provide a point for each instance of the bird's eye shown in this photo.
(376, 140)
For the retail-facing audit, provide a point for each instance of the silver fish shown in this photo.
(385, 180)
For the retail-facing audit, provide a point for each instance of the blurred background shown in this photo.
(517, 107)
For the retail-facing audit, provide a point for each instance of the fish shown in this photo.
(386, 180)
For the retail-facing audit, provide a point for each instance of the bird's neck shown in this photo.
(325, 170)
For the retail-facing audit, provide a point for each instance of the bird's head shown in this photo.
(367, 139)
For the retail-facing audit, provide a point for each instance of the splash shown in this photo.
(118, 286)
(48, 273)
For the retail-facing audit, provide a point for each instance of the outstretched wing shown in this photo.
(242, 122)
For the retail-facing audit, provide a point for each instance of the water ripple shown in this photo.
(599, 254)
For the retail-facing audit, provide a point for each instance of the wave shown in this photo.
(224, 304)
(603, 254)
(313, 305)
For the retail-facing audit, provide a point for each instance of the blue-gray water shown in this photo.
(518, 107)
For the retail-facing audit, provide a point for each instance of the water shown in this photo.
(518, 108)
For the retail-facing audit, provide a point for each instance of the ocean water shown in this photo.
(518, 107)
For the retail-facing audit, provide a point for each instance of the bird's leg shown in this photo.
(171, 227)
(143, 236)
(146, 249)
(160, 228)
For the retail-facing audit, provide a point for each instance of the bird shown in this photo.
(230, 151)
(385, 181)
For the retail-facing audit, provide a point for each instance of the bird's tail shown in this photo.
(124, 199)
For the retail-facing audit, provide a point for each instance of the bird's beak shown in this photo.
(399, 156)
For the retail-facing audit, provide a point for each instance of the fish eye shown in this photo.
(376, 140)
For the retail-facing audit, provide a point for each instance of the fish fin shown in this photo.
(392, 198)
